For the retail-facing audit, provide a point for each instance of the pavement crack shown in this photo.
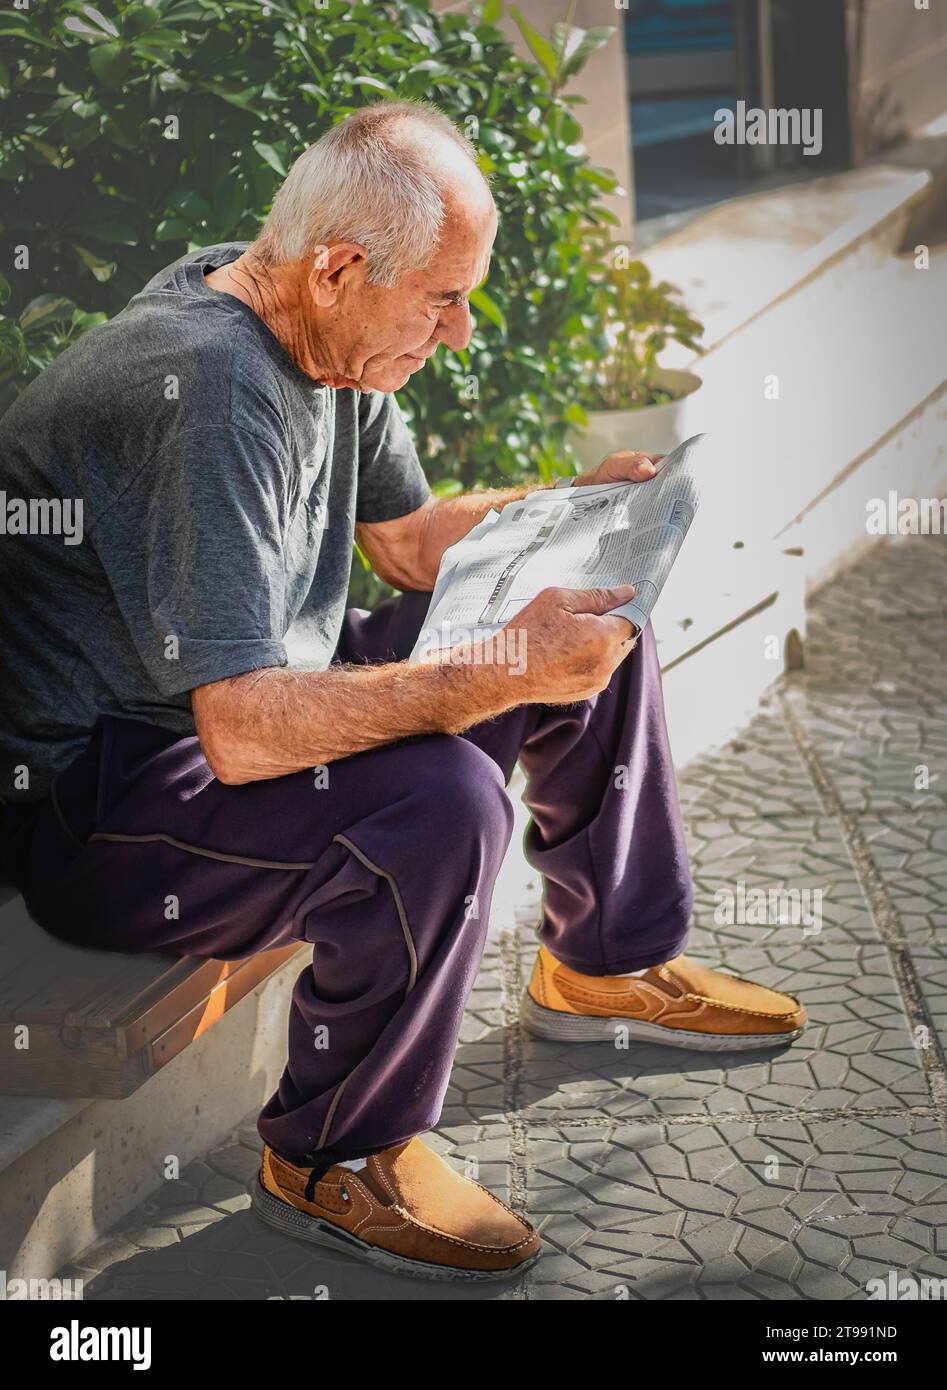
(511, 971)
(563, 1120)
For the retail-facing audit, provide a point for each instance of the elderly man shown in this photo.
(203, 753)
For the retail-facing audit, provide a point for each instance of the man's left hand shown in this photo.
(627, 466)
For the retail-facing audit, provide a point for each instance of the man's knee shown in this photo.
(460, 791)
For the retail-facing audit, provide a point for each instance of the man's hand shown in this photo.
(571, 643)
(627, 466)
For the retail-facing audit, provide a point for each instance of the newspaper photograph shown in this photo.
(595, 536)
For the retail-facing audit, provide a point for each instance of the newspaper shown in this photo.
(572, 538)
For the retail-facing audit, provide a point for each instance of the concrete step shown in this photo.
(739, 259)
(70, 1169)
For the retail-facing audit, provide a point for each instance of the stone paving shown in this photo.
(664, 1174)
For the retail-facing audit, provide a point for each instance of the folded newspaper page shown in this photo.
(571, 538)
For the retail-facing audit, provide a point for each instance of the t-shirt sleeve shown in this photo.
(391, 482)
(193, 552)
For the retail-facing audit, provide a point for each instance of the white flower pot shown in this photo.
(654, 429)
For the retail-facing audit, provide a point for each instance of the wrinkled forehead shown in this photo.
(466, 241)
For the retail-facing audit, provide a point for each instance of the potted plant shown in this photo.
(625, 398)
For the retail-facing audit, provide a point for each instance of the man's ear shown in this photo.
(333, 267)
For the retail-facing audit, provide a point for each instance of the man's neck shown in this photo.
(276, 295)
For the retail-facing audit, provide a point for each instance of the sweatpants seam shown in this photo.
(158, 837)
(399, 904)
(367, 863)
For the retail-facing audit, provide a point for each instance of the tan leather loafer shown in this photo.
(406, 1211)
(680, 1004)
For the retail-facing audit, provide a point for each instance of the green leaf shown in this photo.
(272, 158)
(482, 302)
(374, 83)
(189, 204)
(80, 125)
(110, 62)
(492, 11)
(45, 309)
(84, 320)
(138, 18)
(172, 229)
(49, 152)
(541, 49)
(102, 270)
(243, 100)
(99, 20)
(576, 46)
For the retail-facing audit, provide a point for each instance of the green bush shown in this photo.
(101, 196)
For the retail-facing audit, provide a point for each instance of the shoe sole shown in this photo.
(561, 1027)
(284, 1217)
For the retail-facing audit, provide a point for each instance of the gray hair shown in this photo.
(373, 179)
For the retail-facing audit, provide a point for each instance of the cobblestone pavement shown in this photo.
(664, 1174)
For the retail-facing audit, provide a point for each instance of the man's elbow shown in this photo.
(224, 762)
(231, 774)
(223, 753)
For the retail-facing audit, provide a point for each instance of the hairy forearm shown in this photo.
(275, 721)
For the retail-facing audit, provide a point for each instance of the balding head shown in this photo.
(389, 177)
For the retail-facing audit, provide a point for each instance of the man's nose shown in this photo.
(454, 327)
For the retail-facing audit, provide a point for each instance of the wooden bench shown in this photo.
(80, 1023)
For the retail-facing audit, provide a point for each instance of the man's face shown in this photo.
(376, 338)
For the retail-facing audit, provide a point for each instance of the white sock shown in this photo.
(631, 974)
(354, 1163)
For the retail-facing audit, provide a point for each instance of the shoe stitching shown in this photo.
(603, 998)
(382, 1178)
(456, 1240)
(541, 979)
(380, 1228)
(738, 1008)
(509, 1210)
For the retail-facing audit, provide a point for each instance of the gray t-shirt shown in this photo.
(220, 487)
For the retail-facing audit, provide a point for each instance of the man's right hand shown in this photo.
(572, 644)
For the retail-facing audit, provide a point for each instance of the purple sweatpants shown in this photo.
(385, 862)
